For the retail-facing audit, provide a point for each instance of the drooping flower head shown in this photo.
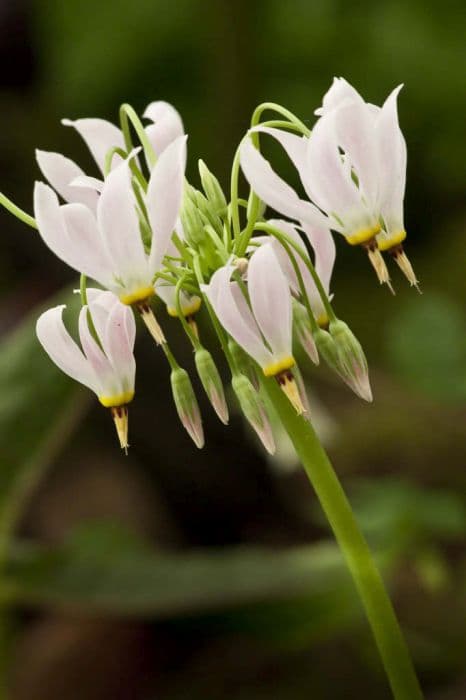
(105, 362)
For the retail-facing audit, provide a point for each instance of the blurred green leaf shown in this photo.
(396, 511)
(134, 580)
(39, 408)
(426, 344)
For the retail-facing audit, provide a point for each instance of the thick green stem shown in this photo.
(379, 610)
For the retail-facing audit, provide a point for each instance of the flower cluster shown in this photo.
(141, 231)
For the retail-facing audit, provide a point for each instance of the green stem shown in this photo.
(368, 581)
(16, 211)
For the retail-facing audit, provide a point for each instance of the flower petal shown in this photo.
(233, 316)
(164, 198)
(332, 187)
(70, 231)
(62, 349)
(392, 163)
(269, 186)
(108, 384)
(339, 91)
(60, 172)
(167, 125)
(87, 182)
(100, 136)
(119, 226)
(270, 300)
(356, 135)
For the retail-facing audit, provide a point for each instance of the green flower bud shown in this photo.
(210, 378)
(351, 359)
(207, 213)
(303, 331)
(241, 361)
(212, 189)
(186, 405)
(254, 410)
(191, 221)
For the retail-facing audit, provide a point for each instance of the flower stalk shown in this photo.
(366, 576)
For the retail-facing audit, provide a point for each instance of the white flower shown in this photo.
(109, 247)
(107, 367)
(263, 329)
(262, 325)
(352, 167)
(324, 250)
(100, 136)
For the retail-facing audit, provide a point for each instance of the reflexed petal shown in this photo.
(392, 163)
(108, 383)
(295, 146)
(268, 185)
(118, 345)
(339, 91)
(270, 299)
(85, 181)
(71, 233)
(62, 349)
(356, 135)
(325, 252)
(119, 226)
(241, 327)
(61, 172)
(167, 125)
(164, 198)
(333, 189)
(100, 136)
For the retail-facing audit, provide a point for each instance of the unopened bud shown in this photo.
(210, 378)
(302, 327)
(186, 405)
(191, 221)
(242, 362)
(207, 213)
(351, 359)
(212, 189)
(254, 410)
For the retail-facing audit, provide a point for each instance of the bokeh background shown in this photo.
(173, 573)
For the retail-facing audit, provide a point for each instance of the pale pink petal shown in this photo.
(164, 198)
(119, 344)
(71, 233)
(108, 384)
(267, 184)
(392, 163)
(356, 135)
(339, 91)
(87, 182)
(100, 136)
(62, 349)
(61, 172)
(119, 226)
(238, 322)
(167, 125)
(270, 300)
(333, 189)
(325, 251)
